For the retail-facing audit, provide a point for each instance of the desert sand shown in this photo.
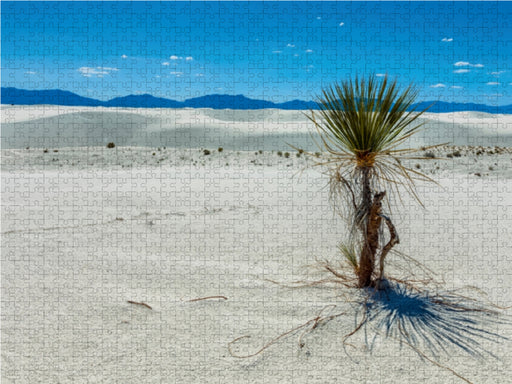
(86, 228)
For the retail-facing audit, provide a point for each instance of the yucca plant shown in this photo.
(362, 124)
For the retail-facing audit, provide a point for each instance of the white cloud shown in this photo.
(342, 24)
(96, 72)
(493, 83)
(319, 18)
(456, 87)
(174, 57)
(199, 75)
(290, 45)
(189, 58)
(467, 64)
(497, 73)
(439, 85)
(447, 40)
(309, 51)
(177, 74)
(124, 57)
(165, 63)
(461, 71)
(296, 55)
(276, 51)
(380, 74)
(30, 73)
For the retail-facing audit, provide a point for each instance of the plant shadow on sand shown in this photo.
(434, 323)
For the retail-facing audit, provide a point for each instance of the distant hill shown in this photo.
(143, 101)
(50, 96)
(443, 107)
(297, 105)
(227, 102)
(60, 97)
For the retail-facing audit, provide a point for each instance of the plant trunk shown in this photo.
(370, 230)
(391, 243)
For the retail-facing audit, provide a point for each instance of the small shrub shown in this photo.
(491, 168)
(456, 154)
(111, 145)
(279, 153)
(298, 154)
(220, 149)
(206, 152)
(350, 253)
(260, 152)
(430, 155)
(317, 154)
(287, 154)
(418, 166)
(154, 153)
(45, 151)
(55, 150)
(450, 156)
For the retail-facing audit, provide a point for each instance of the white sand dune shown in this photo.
(57, 127)
(84, 230)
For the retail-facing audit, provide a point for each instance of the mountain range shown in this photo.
(60, 97)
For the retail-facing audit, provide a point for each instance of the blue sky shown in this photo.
(277, 51)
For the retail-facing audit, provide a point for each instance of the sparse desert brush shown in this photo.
(111, 145)
(279, 153)
(287, 154)
(220, 149)
(206, 152)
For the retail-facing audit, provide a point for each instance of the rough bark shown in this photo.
(391, 243)
(362, 213)
(370, 242)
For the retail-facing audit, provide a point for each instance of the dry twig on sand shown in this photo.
(207, 298)
(137, 303)
(313, 322)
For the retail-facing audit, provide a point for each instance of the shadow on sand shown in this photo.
(432, 323)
